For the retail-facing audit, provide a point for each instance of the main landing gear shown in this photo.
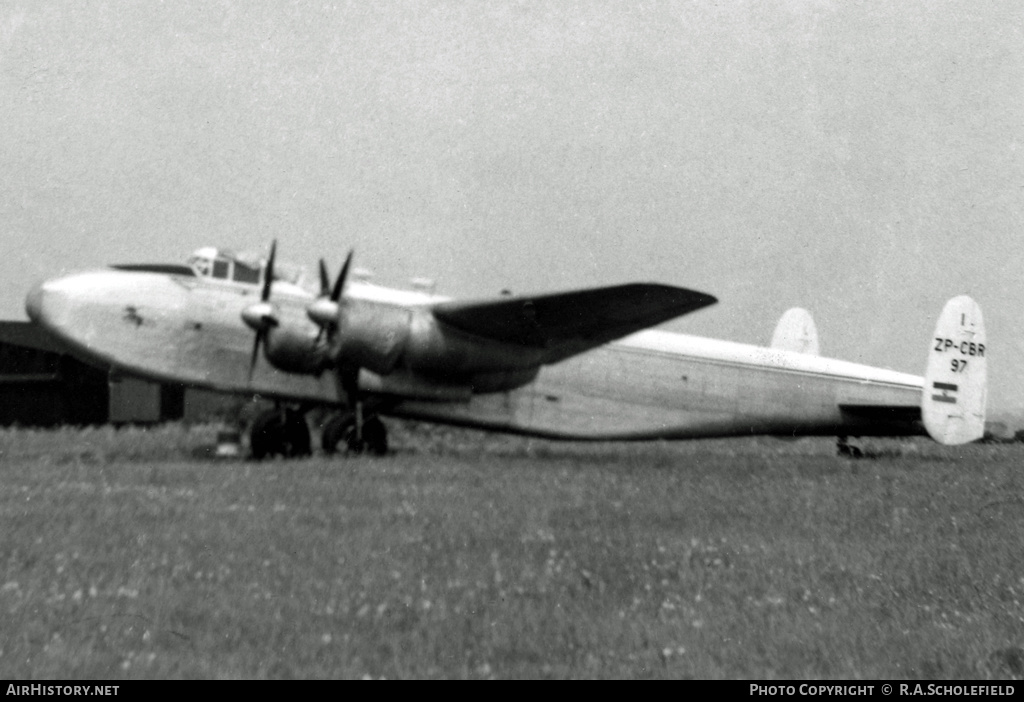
(359, 430)
(284, 432)
(341, 431)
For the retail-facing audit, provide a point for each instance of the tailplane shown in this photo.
(955, 381)
(796, 332)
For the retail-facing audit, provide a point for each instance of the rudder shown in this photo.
(796, 332)
(956, 381)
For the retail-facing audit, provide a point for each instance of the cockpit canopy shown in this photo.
(241, 267)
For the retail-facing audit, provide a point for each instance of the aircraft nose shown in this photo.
(47, 304)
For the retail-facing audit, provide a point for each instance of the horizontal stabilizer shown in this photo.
(955, 381)
(796, 332)
(568, 323)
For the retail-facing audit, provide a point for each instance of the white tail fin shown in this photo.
(796, 332)
(955, 381)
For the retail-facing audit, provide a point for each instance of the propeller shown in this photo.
(261, 316)
(325, 309)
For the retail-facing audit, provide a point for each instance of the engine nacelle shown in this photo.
(295, 351)
(439, 350)
(372, 336)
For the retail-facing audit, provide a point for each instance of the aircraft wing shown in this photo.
(568, 323)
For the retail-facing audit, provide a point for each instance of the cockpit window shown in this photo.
(200, 265)
(224, 264)
(246, 274)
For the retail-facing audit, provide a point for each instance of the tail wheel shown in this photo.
(845, 449)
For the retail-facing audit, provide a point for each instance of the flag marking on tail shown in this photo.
(944, 397)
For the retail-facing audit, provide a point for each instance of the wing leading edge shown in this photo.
(567, 323)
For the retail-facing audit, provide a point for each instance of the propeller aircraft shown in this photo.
(581, 364)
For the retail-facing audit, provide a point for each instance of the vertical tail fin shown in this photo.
(796, 332)
(955, 381)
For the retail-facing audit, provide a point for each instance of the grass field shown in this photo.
(131, 554)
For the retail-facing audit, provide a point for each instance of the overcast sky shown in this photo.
(862, 160)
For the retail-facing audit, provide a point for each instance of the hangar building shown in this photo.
(43, 385)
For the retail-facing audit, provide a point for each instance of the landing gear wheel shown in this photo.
(338, 429)
(342, 430)
(296, 436)
(265, 434)
(353, 446)
(375, 436)
(279, 433)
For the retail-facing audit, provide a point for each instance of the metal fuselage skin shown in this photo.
(650, 385)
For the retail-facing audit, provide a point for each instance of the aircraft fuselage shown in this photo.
(652, 384)
(657, 384)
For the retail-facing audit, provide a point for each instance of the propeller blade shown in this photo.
(268, 274)
(323, 313)
(339, 285)
(325, 280)
(319, 334)
(260, 317)
(255, 353)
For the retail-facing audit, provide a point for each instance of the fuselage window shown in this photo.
(245, 274)
(220, 269)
